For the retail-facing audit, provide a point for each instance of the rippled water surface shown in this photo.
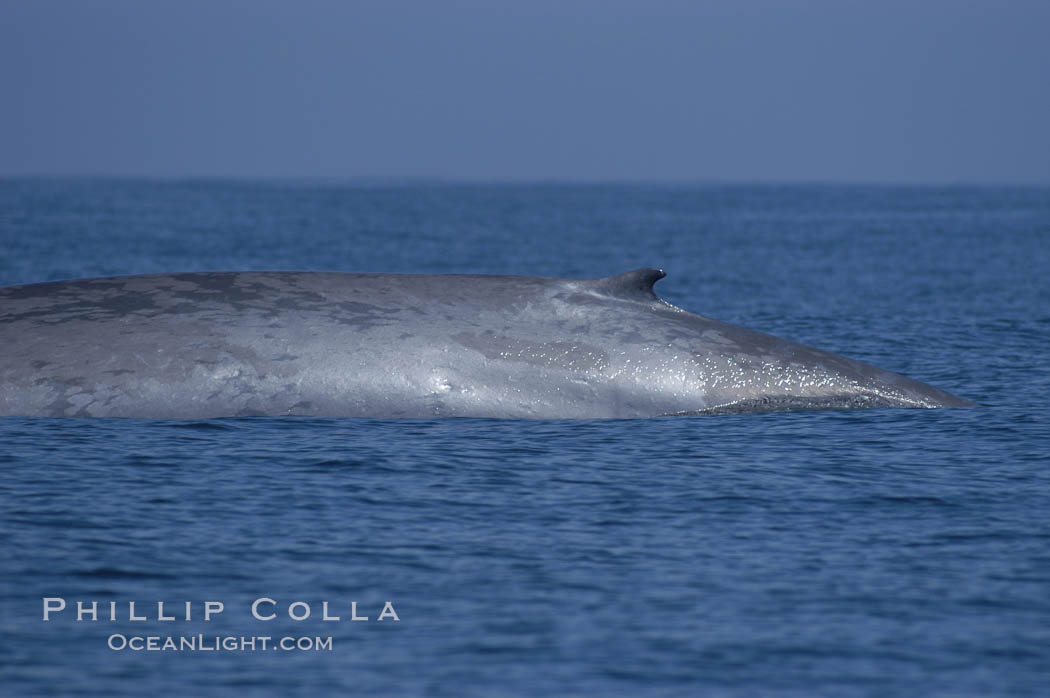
(859, 553)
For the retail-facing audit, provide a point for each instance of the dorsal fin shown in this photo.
(634, 285)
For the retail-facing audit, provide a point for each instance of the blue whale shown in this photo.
(200, 345)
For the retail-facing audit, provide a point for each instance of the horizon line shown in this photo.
(457, 180)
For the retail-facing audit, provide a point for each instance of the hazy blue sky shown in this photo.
(831, 90)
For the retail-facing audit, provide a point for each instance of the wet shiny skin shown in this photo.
(385, 345)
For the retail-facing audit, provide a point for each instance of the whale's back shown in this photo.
(213, 344)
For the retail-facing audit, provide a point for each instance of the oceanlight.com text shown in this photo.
(217, 643)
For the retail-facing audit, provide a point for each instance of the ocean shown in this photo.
(828, 553)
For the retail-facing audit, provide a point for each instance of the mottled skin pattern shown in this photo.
(385, 345)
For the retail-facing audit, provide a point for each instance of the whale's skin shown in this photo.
(226, 344)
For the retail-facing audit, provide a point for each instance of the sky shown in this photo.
(926, 91)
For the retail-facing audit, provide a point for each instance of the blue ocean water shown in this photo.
(864, 553)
